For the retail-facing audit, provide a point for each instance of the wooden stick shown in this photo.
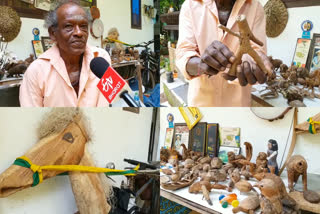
(293, 141)
(245, 36)
(88, 189)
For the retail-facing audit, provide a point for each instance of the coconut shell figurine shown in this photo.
(248, 205)
(63, 137)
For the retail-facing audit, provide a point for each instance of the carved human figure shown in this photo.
(272, 156)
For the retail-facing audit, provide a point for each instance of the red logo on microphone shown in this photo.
(111, 84)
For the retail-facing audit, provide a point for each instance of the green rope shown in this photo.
(23, 163)
(36, 180)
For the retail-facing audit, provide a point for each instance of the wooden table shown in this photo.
(137, 64)
(196, 203)
(280, 101)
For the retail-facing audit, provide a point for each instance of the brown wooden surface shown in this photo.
(260, 101)
(88, 189)
(303, 204)
(185, 202)
(28, 10)
(138, 70)
(301, 3)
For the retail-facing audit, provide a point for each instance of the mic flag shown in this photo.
(111, 84)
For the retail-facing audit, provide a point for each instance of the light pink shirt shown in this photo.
(46, 82)
(198, 28)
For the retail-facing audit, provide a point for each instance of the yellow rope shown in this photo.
(36, 168)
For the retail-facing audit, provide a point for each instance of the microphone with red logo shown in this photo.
(111, 83)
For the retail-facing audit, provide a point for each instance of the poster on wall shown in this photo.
(301, 52)
(180, 136)
(136, 14)
(229, 136)
(314, 54)
(37, 48)
(168, 138)
(212, 140)
(197, 140)
(223, 152)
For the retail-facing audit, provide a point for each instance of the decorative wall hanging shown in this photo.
(276, 17)
(136, 14)
(301, 52)
(10, 24)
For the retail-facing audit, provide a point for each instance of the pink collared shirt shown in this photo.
(198, 28)
(46, 82)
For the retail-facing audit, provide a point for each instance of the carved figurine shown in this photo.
(216, 163)
(245, 36)
(261, 162)
(270, 197)
(297, 166)
(248, 205)
(205, 187)
(272, 156)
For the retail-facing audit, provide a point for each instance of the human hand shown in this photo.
(217, 57)
(248, 72)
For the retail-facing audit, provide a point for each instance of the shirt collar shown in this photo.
(53, 55)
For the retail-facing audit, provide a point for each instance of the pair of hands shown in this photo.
(217, 57)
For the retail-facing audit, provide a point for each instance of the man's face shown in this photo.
(71, 34)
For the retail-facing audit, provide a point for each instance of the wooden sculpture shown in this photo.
(248, 205)
(245, 36)
(62, 141)
(297, 166)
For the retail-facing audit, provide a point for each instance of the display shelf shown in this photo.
(197, 203)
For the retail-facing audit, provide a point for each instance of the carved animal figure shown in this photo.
(248, 205)
(297, 166)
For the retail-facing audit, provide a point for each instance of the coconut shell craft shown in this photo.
(276, 17)
(63, 137)
(10, 24)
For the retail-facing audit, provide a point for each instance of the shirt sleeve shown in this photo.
(30, 94)
(259, 29)
(187, 45)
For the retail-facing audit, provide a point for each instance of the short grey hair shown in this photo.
(51, 19)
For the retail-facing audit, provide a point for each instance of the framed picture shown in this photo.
(37, 48)
(301, 52)
(46, 42)
(229, 136)
(223, 152)
(197, 140)
(181, 135)
(136, 14)
(43, 4)
(212, 148)
(314, 53)
(169, 137)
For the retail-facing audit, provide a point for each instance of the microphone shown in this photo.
(99, 66)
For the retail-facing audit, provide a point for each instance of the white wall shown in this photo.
(257, 131)
(283, 46)
(113, 14)
(117, 134)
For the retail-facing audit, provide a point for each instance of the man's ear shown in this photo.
(52, 33)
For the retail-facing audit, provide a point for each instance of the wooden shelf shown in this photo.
(171, 27)
(301, 3)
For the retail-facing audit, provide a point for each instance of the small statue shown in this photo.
(297, 166)
(113, 37)
(272, 156)
(245, 36)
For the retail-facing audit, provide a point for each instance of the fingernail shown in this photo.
(223, 68)
(229, 66)
(232, 59)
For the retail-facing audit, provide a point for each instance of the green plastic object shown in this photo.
(224, 204)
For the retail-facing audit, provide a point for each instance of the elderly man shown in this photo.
(204, 51)
(61, 76)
